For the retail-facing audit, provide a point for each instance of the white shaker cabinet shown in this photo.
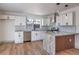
(33, 36)
(67, 18)
(11, 17)
(20, 20)
(59, 20)
(37, 35)
(46, 21)
(18, 37)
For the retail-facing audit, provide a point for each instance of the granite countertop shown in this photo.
(27, 30)
(60, 33)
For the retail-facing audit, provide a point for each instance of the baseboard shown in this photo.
(28, 41)
(36, 40)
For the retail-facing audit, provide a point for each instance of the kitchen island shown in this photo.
(53, 41)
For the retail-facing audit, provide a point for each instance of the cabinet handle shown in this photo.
(66, 23)
(66, 14)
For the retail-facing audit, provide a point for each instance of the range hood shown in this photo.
(55, 16)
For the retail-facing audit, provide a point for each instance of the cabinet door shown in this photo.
(64, 19)
(18, 37)
(37, 35)
(67, 19)
(33, 36)
(46, 21)
(20, 20)
(70, 18)
(59, 20)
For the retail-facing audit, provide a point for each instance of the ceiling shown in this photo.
(35, 8)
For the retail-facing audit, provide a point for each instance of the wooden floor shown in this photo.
(28, 48)
(31, 48)
(72, 51)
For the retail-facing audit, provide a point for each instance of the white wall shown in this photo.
(7, 30)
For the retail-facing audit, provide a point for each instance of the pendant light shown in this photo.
(56, 13)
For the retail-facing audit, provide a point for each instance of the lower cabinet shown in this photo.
(18, 37)
(65, 42)
(37, 35)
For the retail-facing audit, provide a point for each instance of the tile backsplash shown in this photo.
(67, 28)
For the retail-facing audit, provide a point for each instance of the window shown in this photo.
(37, 21)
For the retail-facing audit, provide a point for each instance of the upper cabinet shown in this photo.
(3, 16)
(67, 18)
(20, 20)
(11, 17)
(59, 20)
(7, 17)
(46, 21)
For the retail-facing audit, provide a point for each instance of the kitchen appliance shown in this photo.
(36, 26)
(55, 29)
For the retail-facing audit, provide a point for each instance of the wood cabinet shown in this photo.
(65, 42)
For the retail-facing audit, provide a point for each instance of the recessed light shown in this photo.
(66, 5)
(57, 3)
